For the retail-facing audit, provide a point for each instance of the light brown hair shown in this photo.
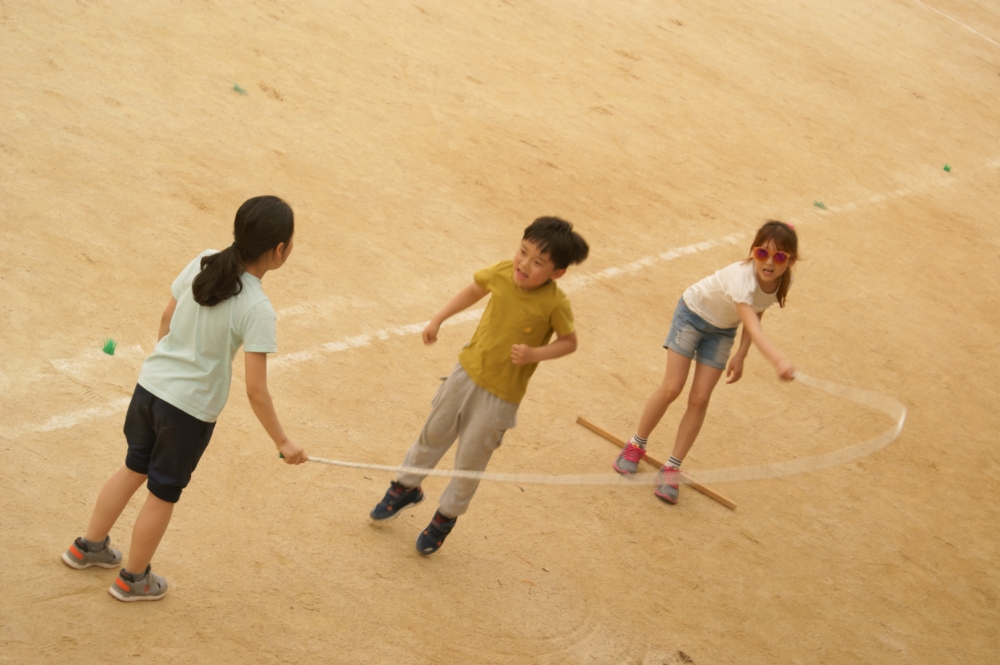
(785, 240)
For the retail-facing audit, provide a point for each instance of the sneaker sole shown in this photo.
(395, 514)
(72, 563)
(115, 593)
(614, 465)
(430, 549)
(663, 497)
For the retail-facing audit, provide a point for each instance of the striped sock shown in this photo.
(674, 462)
(639, 441)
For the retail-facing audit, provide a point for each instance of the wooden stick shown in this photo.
(710, 493)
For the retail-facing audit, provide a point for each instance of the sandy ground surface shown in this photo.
(415, 141)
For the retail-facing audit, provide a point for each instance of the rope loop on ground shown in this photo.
(866, 398)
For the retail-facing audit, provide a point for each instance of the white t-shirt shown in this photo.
(192, 366)
(714, 298)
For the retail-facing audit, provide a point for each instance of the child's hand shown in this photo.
(430, 333)
(735, 370)
(291, 452)
(522, 354)
(786, 370)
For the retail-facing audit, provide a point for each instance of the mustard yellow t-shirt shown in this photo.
(513, 316)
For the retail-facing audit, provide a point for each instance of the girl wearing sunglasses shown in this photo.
(704, 330)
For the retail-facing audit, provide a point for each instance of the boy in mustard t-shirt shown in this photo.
(478, 402)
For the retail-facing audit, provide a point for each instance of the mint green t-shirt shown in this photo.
(192, 366)
(513, 316)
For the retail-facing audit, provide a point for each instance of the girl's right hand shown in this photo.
(735, 369)
(292, 453)
(430, 333)
(786, 370)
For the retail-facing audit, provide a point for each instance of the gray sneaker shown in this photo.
(629, 458)
(81, 555)
(667, 485)
(129, 588)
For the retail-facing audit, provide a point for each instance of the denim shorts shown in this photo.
(164, 443)
(694, 337)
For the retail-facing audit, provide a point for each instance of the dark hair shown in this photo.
(785, 240)
(261, 224)
(557, 238)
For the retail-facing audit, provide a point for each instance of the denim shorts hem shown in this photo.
(695, 338)
(693, 356)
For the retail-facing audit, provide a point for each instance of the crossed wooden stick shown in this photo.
(688, 479)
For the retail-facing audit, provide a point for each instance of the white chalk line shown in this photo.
(798, 465)
(951, 18)
(74, 418)
(81, 364)
(569, 284)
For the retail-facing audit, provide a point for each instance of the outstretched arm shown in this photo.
(464, 299)
(263, 408)
(735, 370)
(751, 325)
(522, 354)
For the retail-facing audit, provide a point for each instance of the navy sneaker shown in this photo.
(396, 498)
(430, 539)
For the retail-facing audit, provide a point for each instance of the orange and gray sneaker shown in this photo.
(629, 458)
(129, 587)
(667, 484)
(84, 554)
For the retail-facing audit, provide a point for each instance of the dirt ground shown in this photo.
(415, 142)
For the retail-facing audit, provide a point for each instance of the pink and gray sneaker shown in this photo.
(667, 484)
(629, 458)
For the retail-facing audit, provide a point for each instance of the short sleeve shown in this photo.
(739, 283)
(562, 316)
(260, 333)
(484, 277)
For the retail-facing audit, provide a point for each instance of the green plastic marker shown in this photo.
(820, 205)
(947, 168)
(237, 88)
(109, 346)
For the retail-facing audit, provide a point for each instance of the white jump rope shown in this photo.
(736, 474)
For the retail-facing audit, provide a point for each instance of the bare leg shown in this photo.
(112, 500)
(668, 390)
(149, 528)
(705, 379)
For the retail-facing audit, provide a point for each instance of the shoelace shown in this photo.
(633, 453)
(668, 474)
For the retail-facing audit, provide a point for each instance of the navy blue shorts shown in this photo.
(164, 443)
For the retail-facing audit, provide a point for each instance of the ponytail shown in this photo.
(262, 223)
(219, 278)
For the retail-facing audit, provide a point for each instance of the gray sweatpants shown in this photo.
(477, 418)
